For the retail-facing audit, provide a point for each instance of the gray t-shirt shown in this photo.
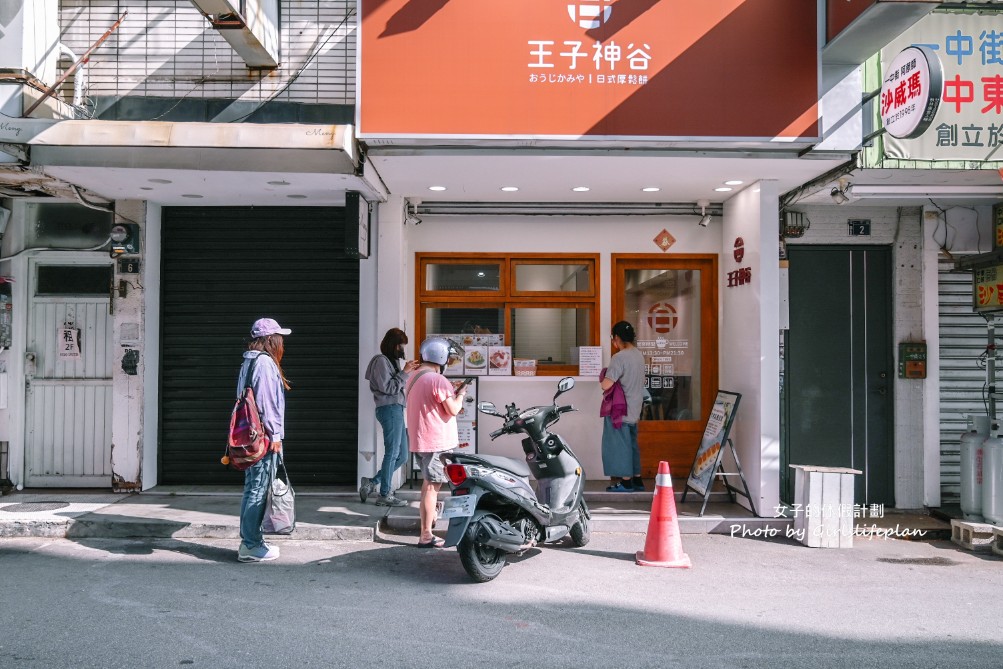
(627, 367)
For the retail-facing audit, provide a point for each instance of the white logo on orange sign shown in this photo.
(590, 14)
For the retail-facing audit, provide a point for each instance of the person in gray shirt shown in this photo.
(387, 380)
(620, 453)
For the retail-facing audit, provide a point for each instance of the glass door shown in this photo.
(672, 303)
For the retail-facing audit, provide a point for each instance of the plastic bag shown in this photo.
(280, 511)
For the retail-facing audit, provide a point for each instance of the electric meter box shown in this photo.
(912, 360)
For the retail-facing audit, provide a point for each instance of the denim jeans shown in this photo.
(391, 419)
(257, 477)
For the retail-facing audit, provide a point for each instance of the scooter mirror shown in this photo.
(488, 408)
(563, 386)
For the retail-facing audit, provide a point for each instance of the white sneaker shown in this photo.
(260, 554)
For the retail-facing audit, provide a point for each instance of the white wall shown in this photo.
(750, 335)
(150, 359)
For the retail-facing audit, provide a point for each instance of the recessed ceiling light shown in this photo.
(192, 196)
(279, 183)
(480, 274)
(651, 189)
(580, 189)
(297, 197)
(723, 189)
(510, 189)
(160, 181)
(437, 188)
(733, 182)
(146, 188)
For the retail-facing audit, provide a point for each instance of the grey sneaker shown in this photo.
(390, 500)
(260, 554)
(366, 489)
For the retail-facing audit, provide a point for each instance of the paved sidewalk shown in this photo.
(212, 513)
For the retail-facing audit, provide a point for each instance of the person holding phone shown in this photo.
(387, 380)
(432, 406)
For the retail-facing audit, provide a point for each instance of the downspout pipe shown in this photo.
(80, 77)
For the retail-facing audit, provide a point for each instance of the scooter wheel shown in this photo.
(581, 532)
(481, 562)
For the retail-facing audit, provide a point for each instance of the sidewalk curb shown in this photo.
(102, 529)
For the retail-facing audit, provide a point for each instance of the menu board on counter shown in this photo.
(589, 360)
(475, 360)
(466, 420)
(465, 364)
(499, 361)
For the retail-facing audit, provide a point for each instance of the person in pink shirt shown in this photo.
(431, 427)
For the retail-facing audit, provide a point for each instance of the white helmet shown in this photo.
(436, 350)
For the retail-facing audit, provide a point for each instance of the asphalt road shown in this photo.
(746, 603)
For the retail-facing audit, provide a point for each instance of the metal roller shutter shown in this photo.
(962, 380)
(222, 268)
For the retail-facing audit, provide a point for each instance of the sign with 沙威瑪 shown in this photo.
(987, 288)
(969, 120)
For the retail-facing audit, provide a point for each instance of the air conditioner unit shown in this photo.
(250, 26)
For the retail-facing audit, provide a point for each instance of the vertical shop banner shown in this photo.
(968, 123)
(721, 69)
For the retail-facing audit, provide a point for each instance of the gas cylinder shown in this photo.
(971, 467)
(992, 480)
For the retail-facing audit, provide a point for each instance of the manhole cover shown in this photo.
(933, 562)
(29, 507)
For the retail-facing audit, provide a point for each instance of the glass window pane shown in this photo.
(74, 280)
(468, 277)
(664, 307)
(572, 278)
(551, 336)
(463, 320)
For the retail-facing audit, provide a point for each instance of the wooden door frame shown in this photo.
(676, 441)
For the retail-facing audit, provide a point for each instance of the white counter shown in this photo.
(582, 429)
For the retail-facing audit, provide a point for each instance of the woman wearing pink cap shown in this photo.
(263, 359)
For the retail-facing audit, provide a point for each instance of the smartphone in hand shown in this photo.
(464, 384)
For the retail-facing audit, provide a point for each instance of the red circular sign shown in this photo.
(662, 317)
(739, 249)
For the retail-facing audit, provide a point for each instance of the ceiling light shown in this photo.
(480, 275)
(146, 188)
(437, 188)
(704, 216)
(297, 197)
(160, 181)
(510, 189)
(723, 189)
(279, 183)
(580, 189)
(651, 189)
(733, 182)
(192, 196)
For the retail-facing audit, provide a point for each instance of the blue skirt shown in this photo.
(620, 455)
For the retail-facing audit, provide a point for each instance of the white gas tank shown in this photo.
(971, 467)
(992, 480)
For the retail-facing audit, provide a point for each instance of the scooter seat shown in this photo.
(517, 467)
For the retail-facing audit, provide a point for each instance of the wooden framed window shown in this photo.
(544, 305)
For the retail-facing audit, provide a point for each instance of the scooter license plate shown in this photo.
(460, 506)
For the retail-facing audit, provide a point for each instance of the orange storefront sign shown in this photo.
(722, 69)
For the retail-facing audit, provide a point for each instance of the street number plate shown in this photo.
(459, 507)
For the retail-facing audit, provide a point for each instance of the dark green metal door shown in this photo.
(222, 268)
(838, 367)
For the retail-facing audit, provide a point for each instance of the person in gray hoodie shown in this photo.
(387, 380)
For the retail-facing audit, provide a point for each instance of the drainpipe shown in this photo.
(80, 80)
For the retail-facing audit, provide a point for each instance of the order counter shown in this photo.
(581, 429)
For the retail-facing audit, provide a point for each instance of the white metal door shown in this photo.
(68, 400)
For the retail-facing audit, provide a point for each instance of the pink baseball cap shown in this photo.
(268, 326)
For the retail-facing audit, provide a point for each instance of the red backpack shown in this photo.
(247, 442)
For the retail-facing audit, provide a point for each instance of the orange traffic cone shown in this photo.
(662, 547)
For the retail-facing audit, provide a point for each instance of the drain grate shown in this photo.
(30, 507)
(933, 562)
